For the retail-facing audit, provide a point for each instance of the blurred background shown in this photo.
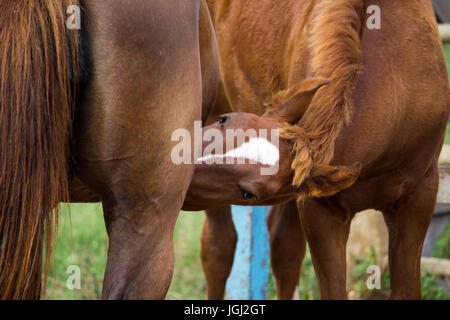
(82, 241)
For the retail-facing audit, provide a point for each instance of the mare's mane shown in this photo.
(334, 39)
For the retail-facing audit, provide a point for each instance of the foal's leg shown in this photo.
(327, 227)
(287, 247)
(218, 241)
(407, 224)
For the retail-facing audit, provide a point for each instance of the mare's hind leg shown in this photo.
(218, 244)
(407, 223)
(144, 86)
(287, 247)
(327, 227)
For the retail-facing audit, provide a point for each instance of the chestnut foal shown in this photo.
(386, 107)
(223, 178)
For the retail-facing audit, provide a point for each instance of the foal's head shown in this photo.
(248, 160)
(248, 165)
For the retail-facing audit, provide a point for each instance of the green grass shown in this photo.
(447, 136)
(442, 248)
(447, 55)
(188, 279)
(84, 243)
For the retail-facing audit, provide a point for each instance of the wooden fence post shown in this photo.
(250, 273)
(444, 30)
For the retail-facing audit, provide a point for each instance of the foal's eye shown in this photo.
(247, 195)
(223, 120)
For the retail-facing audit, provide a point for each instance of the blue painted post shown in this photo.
(250, 272)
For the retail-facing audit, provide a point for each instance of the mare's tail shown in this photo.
(37, 53)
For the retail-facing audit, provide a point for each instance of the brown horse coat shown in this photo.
(147, 68)
(147, 59)
(386, 107)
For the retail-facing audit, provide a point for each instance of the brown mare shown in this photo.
(137, 71)
(385, 107)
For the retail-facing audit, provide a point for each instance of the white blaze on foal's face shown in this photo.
(257, 150)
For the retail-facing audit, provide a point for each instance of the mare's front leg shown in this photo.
(145, 83)
(327, 227)
(407, 221)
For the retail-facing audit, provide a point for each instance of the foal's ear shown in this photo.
(327, 180)
(290, 105)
